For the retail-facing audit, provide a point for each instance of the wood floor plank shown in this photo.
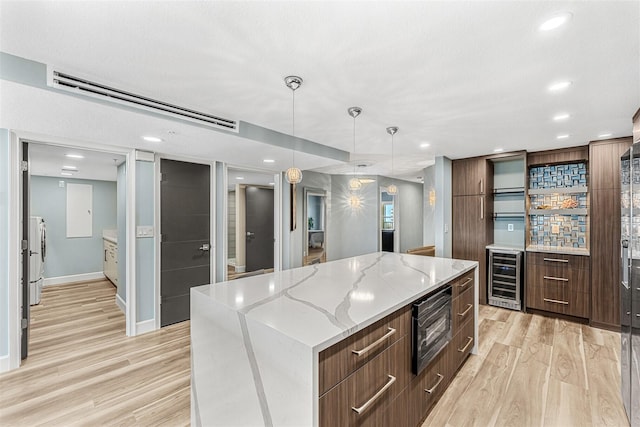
(567, 405)
(567, 363)
(604, 391)
(541, 329)
(516, 330)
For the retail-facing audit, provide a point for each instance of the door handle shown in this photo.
(205, 247)
(251, 235)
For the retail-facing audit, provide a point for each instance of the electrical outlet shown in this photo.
(509, 227)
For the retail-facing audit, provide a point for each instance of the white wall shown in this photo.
(443, 207)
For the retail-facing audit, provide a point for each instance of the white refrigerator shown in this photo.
(37, 254)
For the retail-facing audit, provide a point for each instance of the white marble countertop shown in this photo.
(558, 250)
(110, 235)
(501, 246)
(321, 304)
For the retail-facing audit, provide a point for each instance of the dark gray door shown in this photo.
(259, 226)
(184, 227)
(25, 252)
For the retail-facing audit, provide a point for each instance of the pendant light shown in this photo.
(293, 174)
(392, 189)
(354, 183)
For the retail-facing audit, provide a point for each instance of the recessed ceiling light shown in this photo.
(66, 173)
(604, 135)
(554, 22)
(559, 86)
(562, 116)
(152, 139)
(498, 150)
(240, 177)
(272, 183)
(69, 167)
(268, 161)
(74, 156)
(425, 145)
(563, 136)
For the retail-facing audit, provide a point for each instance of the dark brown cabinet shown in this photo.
(470, 234)
(605, 230)
(380, 389)
(558, 283)
(470, 177)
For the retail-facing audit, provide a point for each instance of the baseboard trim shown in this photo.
(63, 280)
(4, 363)
(121, 304)
(145, 326)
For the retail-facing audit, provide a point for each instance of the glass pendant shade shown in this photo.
(392, 189)
(355, 184)
(294, 175)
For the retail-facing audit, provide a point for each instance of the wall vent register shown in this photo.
(82, 86)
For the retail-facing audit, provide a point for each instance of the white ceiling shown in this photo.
(466, 76)
(248, 177)
(51, 160)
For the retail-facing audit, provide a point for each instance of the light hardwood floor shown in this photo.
(82, 370)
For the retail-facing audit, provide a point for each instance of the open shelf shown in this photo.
(508, 190)
(500, 215)
(575, 211)
(559, 190)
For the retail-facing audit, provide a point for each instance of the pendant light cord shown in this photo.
(293, 127)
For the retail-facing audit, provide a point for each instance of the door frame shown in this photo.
(312, 191)
(158, 216)
(277, 215)
(396, 219)
(15, 231)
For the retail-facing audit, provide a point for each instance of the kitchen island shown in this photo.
(257, 343)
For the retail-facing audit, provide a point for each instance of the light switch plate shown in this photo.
(144, 231)
(61, 184)
(509, 227)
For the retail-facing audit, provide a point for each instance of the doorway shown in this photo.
(185, 230)
(315, 226)
(251, 204)
(74, 206)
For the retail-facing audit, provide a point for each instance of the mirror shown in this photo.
(250, 223)
(389, 240)
(315, 226)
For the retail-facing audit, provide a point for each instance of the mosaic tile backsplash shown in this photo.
(558, 176)
(553, 229)
(559, 230)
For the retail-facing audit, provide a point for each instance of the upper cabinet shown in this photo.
(470, 177)
(605, 161)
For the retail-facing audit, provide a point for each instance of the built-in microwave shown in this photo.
(430, 327)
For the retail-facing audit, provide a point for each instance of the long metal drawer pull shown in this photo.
(559, 279)
(466, 282)
(556, 301)
(430, 390)
(466, 346)
(368, 403)
(464, 313)
(566, 261)
(374, 344)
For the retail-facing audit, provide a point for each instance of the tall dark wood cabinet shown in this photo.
(604, 175)
(471, 181)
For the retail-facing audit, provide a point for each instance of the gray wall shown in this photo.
(77, 255)
(145, 246)
(443, 207)
(429, 209)
(121, 197)
(350, 231)
(4, 242)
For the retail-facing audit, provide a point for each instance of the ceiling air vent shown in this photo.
(77, 85)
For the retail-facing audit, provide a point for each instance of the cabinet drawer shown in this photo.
(343, 358)
(362, 399)
(426, 388)
(558, 260)
(463, 283)
(462, 310)
(461, 345)
(569, 296)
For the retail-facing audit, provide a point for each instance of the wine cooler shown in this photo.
(505, 278)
